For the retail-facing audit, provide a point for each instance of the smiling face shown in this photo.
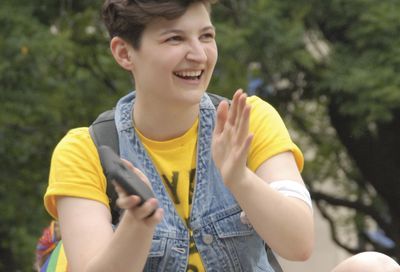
(176, 57)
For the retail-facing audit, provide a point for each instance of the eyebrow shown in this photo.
(178, 31)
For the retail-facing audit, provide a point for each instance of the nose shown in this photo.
(197, 52)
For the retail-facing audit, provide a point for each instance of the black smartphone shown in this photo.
(115, 169)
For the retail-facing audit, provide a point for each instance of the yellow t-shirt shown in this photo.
(175, 161)
(76, 170)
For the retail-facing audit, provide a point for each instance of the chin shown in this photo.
(193, 99)
(194, 95)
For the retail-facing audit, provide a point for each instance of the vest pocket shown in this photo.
(156, 254)
(158, 247)
(232, 226)
(240, 244)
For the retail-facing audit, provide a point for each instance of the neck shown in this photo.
(163, 121)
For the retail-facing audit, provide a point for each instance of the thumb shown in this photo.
(137, 171)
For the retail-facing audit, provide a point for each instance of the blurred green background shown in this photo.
(329, 67)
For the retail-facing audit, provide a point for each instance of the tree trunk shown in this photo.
(377, 156)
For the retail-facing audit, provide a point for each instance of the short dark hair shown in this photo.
(128, 18)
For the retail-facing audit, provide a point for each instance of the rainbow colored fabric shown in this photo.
(50, 256)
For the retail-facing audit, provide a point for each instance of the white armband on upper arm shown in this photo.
(292, 189)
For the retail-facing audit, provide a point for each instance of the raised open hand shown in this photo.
(231, 138)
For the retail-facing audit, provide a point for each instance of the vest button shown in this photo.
(244, 219)
(208, 239)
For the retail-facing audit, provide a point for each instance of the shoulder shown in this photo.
(77, 134)
(271, 135)
(265, 114)
(75, 170)
(261, 106)
(75, 140)
(76, 150)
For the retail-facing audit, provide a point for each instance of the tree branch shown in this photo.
(356, 205)
(334, 235)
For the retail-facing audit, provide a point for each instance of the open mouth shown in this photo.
(189, 75)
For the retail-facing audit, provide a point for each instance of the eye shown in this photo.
(209, 36)
(174, 39)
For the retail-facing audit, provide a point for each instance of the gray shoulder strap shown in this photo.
(104, 132)
(273, 261)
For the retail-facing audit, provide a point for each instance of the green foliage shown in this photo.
(365, 59)
(55, 73)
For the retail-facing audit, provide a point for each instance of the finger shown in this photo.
(222, 113)
(146, 209)
(138, 172)
(243, 125)
(155, 218)
(233, 108)
(246, 146)
(128, 202)
(241, 105)
(120, 191)
(143, 177)
(128, 164)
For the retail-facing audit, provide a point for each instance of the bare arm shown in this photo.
(90, 242)
(285, 223)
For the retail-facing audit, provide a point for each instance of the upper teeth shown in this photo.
(189, 74)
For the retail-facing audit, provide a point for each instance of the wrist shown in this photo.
(136, 225)
(239, 181)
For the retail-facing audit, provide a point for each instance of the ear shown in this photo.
(122, 52)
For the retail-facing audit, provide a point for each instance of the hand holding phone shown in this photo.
(115, 169)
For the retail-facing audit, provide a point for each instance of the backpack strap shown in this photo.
(273, 261)
(104, 132)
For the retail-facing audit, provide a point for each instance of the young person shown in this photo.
(226, 180)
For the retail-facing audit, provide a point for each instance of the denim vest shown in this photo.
(223, 241)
